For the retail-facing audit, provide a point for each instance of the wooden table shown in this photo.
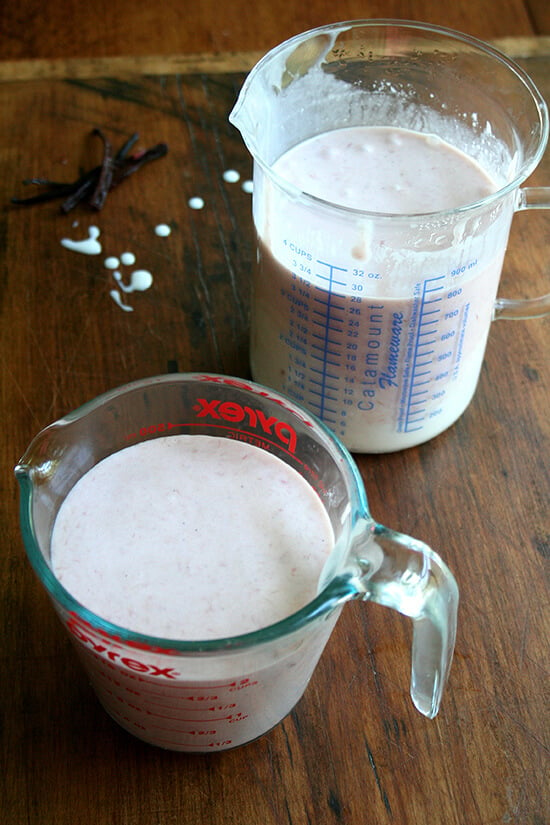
(354, 750)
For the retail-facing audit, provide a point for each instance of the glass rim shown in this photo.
(444, 32)
(336, 592)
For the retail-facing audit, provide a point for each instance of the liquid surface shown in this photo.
(378, 325)
(386, 170)
(191, 537)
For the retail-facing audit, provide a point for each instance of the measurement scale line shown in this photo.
(327, 411)
(318, 335)
(331, 284)
(188, 709)
(428, 318)
(328, 374)
(330, 277)
(315, 394)
(326, 395)
(328, 302)
(331, 308)
(195, 721)
(332, 269)
(429, 280)
(325, 361)
(325, 317)
(318, 383)
(324, 356)
(200, 689)
(325, 350)
(328, 351)
(331, 319)
(191, 745)
(315, 381)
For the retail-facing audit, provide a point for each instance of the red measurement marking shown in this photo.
(192, 747)
(152, 429)
(200, 692)
(189, 732)
(233, 717)
(244, 683)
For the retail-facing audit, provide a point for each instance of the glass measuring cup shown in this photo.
(378, 322)
(204, 696)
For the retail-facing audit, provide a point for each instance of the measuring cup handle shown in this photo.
(407, 575)
(530, 197)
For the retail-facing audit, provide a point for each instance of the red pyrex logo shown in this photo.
(106, 650)
(235, 413)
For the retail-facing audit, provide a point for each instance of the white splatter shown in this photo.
(111, 263)
(162, 230)
(128, 258)
(115, 295)
(247, 186)
(140, 280)
(196, 203)
(88, 246)
(231, 176)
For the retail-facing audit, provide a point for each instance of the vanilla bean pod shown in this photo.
(94, 186)
(106, 173)
(135, 162)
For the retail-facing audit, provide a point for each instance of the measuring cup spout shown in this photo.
(403, 573)
(263, 112)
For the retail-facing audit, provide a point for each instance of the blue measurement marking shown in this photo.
(428, 319)
(327, 348)
(324, 373)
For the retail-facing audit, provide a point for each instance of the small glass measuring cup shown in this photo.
(203, 696)
(378, 322)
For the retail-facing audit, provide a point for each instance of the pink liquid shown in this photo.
(194, 537)
(377, 324)
(385, 169)
(191, 537)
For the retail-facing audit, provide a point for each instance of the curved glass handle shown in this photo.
(404, 573)
(530, 197)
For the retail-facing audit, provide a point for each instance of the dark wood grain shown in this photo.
(123, 27)
(354, 750)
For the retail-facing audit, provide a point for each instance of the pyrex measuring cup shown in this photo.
(378, 322)
(204, 696)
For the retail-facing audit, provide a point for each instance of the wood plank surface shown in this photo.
(354, 750)
(122, 27)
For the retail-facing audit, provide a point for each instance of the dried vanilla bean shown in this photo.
(105, 175)
(93, 186)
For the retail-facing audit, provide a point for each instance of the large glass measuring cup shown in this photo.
(378, 322)
(203, 696)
